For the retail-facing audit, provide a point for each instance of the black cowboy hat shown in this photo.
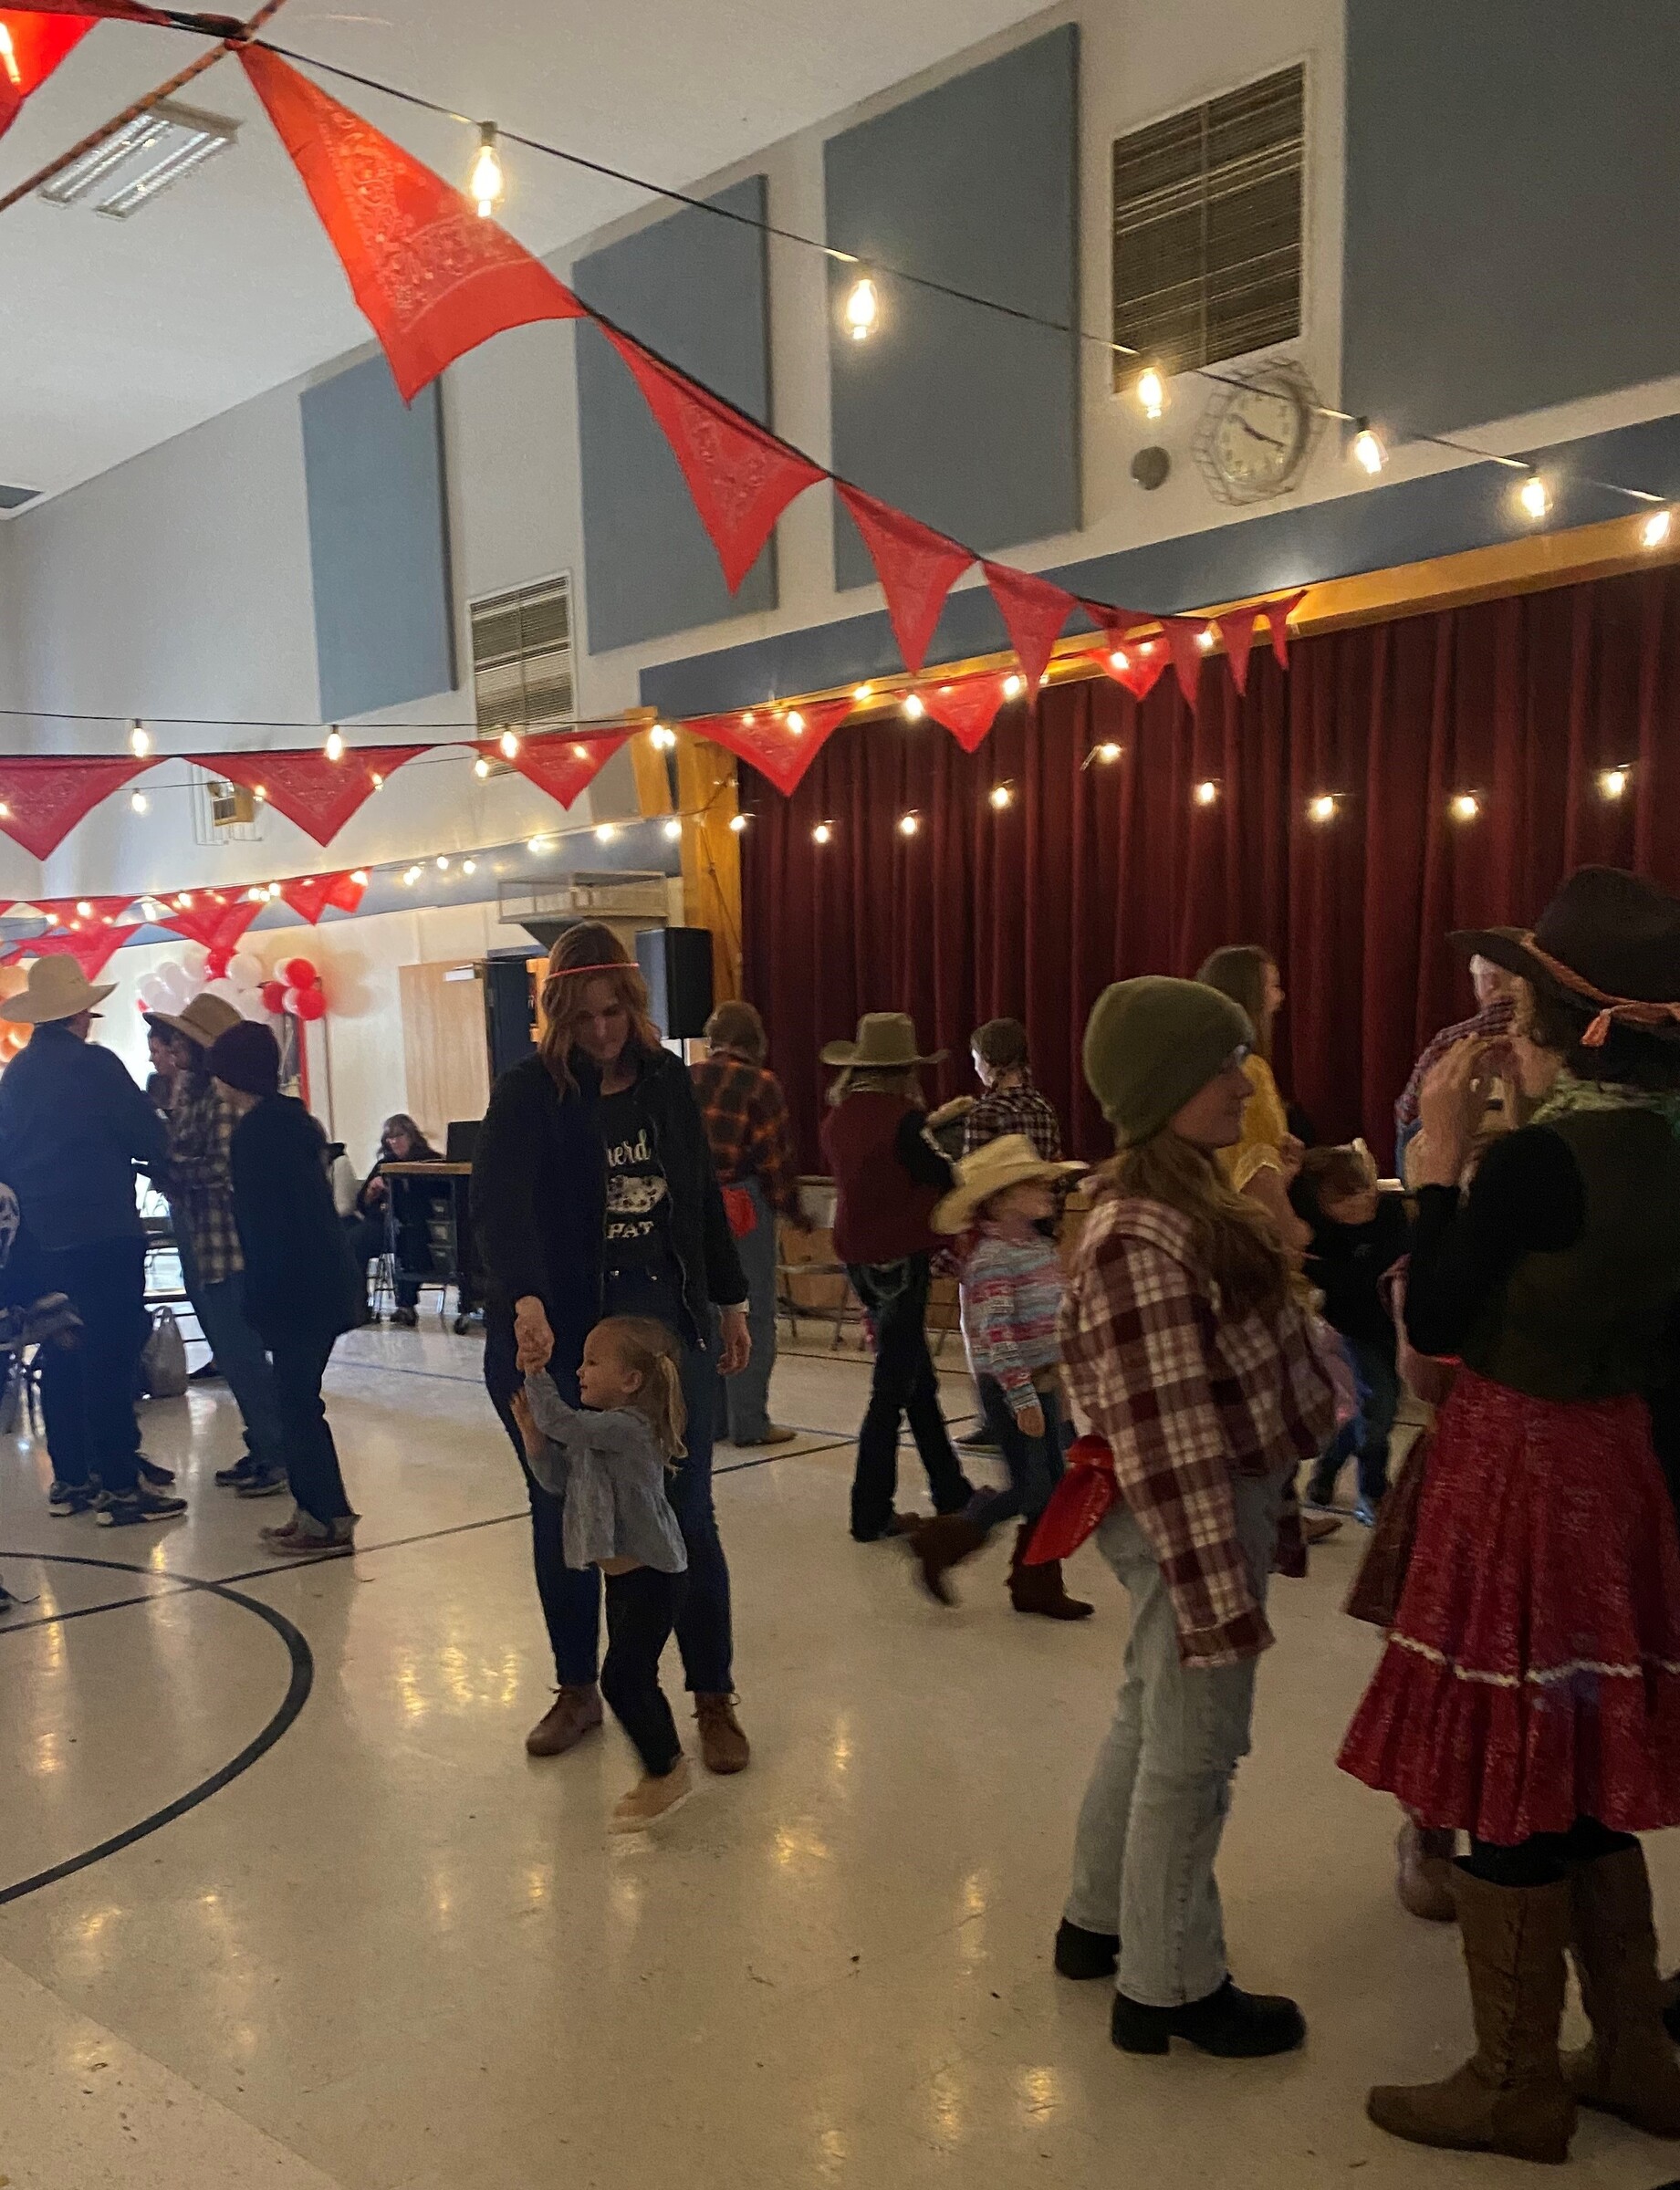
(1608, 938)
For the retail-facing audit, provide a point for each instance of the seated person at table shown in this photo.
(396, 1213)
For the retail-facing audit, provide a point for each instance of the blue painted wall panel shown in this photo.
(968, 420)
(693, 288)
(378, 542)
(1513, 205)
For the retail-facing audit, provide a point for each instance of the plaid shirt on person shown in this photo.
(1017, 1109)
(1186, 1401)
(748, 1128)
(201, 1186)
(1495, 1017)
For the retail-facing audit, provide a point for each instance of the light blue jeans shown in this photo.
(1155, 1811)
(744, 1401)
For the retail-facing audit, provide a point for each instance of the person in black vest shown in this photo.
(301, 1288)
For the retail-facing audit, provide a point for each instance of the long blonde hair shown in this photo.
(650, 1349)
(1238, 971)
(589, 952)
(1234, 1238)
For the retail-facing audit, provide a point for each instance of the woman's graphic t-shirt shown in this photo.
(638, 1198)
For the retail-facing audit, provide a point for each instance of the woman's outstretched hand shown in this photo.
(533, 1340)
(737, 1344)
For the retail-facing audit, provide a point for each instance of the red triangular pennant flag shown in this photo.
(741, 478)
(968, 709)
(1034, 612)
(1237, 630)
(1116, 625)
(217, 921)
(779, 742)
(433, 279)
(319, 794)
(31, 48)
(1183, 636)
(310, 894)
(93, 950)
(1139, 665)
(65, 911)
(127, 11)
(916, 566)
(557, 764)
(1276, 614)
(44, 796)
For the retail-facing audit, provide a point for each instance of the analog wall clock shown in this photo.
(1258, 431)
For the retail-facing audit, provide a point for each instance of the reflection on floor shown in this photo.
(395, 1951)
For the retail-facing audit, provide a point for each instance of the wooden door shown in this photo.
(444, 1047)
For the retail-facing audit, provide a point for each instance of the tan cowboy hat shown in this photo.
(1010, 1161)
(886, 1043)
(205, 1017)
(57, 989)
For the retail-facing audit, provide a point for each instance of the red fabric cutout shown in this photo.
(1078, 1504)
(93, 950)
(47, 795)
(741, 478)
(1116, 625)
(433, 279)
(217, 926)
(61, 911)
(968, 709)
(1276, 614)
(1237, 630)
(1181, 633)
(319, 794)
(1146, 665)
(557, 764)
(36, 47)
(119, 11)
(771, 744)
(1034, 612)
(310, 894)
(916, 566)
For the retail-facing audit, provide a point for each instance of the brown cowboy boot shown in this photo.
(1629, 2070)
(1040, 1588)
(1511, 2096)
(724, 1746)
(1424, 1879)
(574, 1713)
(940, 1544)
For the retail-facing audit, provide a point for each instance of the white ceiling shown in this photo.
(116, 334)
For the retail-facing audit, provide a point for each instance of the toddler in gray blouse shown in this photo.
(608, 1461)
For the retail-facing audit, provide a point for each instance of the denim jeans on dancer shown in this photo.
(1368, 1435)
(1035, 1464)
(895, 1295)
(744, 1401)
(88, 1389)
(312, 1471)
(242, 1358)
(570, 1600)
(1154, 1813)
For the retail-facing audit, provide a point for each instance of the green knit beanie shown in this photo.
(1151, 1044)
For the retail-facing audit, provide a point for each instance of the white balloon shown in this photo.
(152, 992)
(172, 987)
(224, 991)
(290, 1002)
(195, 957)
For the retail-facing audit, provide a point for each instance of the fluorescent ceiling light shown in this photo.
(142, 160)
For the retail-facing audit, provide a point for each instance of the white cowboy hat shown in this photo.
(1010, 1161)
(57, 989)
(886, 1043)
(203, 1018)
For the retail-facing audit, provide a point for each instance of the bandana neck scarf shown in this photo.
(1569, 1097)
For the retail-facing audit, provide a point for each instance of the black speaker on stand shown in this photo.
(676, 965)
(507, 1013)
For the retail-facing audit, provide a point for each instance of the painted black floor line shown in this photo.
(176, 1588)
(803, 1452)
(292, 1703)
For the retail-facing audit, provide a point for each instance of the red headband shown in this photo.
(619, 966)
(1636, 1011)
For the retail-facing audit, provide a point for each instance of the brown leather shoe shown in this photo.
(940, 1544)
(574, 1713)
(724, 1747)
(1317, 1527)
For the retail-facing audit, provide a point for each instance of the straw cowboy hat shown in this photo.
(57, 989)
(1010, 1161)
(886, 1043)
(1609, 939)
(205, 1017)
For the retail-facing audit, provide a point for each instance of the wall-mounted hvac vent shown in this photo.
(142, 160)
(522, 659)
(643, 898)
(224, 813)
(13, 497)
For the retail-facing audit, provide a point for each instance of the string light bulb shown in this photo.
(796, 721)
(862, 308)
(469, 866)
(737, 823)
(860, 692)
(1151, 392)
(1613, 782)
(443, 863)
(1367, 451)
(141, 803)
(1108, 752)
(605, 833)
(481, 768)
(411, 875)
(1532, 497)
(1119, 659)
(487, 184)
(915, 707)
(823, 833)
(661, 738)
(84, 910)
(140, 740)
(539, 846)
(1466, 806)
(673, 830)
(510, 745)
(1002, 795)
(1322, 808)
(1013, 686)
(1657, 528)
(260, 793)
(376, 780)
(909, 824)
(359, 877)
(334, 747)
(1206, 792)
(8, 59)
(1205, 639)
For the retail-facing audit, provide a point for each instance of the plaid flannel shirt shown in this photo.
(1187, 1399)
(748, 1128)
(1495, 1017)
(201, 1186)
(1021, 1109)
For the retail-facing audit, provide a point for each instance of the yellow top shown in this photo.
(1266, 1127)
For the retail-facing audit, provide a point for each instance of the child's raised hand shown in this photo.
(522, 1414)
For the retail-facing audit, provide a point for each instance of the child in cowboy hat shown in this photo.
(1011, 1290)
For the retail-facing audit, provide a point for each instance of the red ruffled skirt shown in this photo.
(1532, 1674)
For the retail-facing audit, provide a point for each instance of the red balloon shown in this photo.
(300, 972)
(311, 1004)
(273, 995)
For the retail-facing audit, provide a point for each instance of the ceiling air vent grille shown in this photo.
(13, 497)
(522, 659)
(138, 161)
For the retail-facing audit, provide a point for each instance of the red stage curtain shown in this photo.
(1098, 872)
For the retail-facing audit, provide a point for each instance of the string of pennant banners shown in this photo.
(435, 278)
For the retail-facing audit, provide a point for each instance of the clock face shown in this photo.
(1255, 438)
